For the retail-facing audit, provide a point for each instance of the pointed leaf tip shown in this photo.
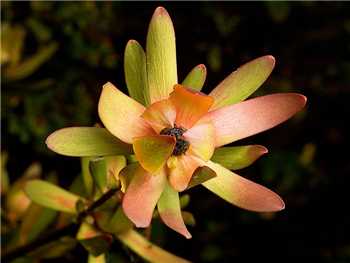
(161, 11)
(244, 81)
(271, 59)
(238, 157)
(170, 211)
(253, 116)
(242, 192)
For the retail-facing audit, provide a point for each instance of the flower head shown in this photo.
(175, 130)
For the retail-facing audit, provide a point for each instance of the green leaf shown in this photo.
(12, 40)
(161, 56)
(86, 141)
(77, 186)
(146, 249)
(188, 218)
(201, 175)
(98, 170)
(87, 231)
(31, 64)
(126, 175)
(278, 11)
(135, 70)
(86, 175)
(51, 196)
(238, 157)
(54, 249)
(241, 83)
(5, 182)
(99, 259)
(114, 165)
(17, 201)
(105, 171)
(119, 222)
(184, 200)
(34, 222)
(196, 78)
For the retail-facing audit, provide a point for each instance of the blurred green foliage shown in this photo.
(55, 57)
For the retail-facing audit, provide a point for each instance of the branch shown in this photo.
(70, 229)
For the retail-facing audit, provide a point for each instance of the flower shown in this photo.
(178, 130)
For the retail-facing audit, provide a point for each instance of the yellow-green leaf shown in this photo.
(241, 83)
(188, 218)
(161, 56)
(87, 231)
(34, 222)
(98, 170)
(196, 78)
(31, 64)
(201, 175)
(146, 249)
(184, 200)
(119, 222)
(126, 175)
(238, 157)
(114, 165)
(17, 201)
(86, 175)
(86, 141)
(12, 37)
(51, 196)
(99, 259)
(135, 71)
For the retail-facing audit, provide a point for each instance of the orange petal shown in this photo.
(121, 114)
(190, 105)
(250, 117)
(160, 115)
(170, 211)
(153, 151)
(202, 140)
(142, 196)
(181, 169)
(242, 192)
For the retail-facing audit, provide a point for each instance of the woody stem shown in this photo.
(68, 230)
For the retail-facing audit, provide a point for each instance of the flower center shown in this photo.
(181, 145)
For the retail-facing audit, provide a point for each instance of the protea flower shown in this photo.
(176, 132)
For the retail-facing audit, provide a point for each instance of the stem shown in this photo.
(16, 252)
(105, 197)
(144, 248)
(71, 228)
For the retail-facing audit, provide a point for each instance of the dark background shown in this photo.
(307, 162)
